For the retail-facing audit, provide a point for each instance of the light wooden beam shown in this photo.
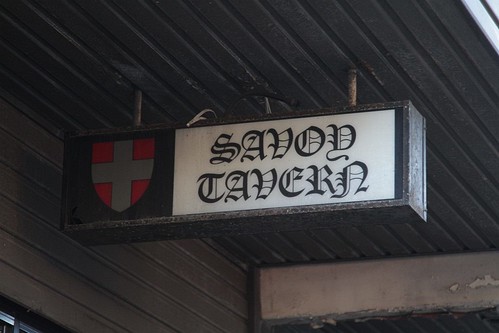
(371, 288)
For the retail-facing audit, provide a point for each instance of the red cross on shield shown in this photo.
(121, 171)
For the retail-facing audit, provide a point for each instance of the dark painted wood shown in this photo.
(149, 287)
(306, 241)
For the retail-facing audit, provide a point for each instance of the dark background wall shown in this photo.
(181, 286)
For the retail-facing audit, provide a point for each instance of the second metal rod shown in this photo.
(137, 111)
(352, 87)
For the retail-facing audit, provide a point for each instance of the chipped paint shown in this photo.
(454, 288)
(334, 290)
(487, 281)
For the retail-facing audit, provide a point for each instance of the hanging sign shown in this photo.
(284, 163)
(316, 170)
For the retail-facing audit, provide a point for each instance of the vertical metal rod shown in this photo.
(17, 325)
(352, 87)
(137, 111)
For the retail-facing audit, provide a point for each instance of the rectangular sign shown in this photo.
(275, 173)
(269, 164)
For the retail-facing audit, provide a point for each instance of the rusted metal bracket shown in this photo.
(137, 111)
(352, 86)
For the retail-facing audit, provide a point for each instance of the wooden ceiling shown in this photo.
(72, 65)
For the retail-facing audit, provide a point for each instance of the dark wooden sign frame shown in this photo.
(84, 220)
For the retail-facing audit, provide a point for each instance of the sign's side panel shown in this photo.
(417, 162)
(119, 177)
(400, 162)
(282, 163)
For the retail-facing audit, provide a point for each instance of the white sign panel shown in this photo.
(282, 163)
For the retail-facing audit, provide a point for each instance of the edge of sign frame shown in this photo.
(410, 207)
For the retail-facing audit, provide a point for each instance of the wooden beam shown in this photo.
(372, 288)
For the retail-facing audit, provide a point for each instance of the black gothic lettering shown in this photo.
(237, 184)
(354, 172)
(310, 141)
(291, 183)
(332, 180)
(282, 142)
(287, 182)
(343, 137)
(252, 142)
(208, 187)
(334, 159)
(320, 177)
(227, 151)
(265, 182)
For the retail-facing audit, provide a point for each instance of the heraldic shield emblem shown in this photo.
(121, 171)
